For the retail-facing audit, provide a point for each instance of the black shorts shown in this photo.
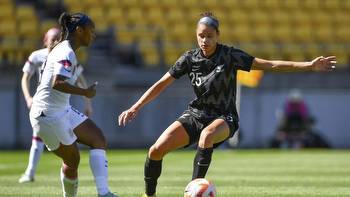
(194, 124)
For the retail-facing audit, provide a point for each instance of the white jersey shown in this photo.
(60, 61)
(35, 61)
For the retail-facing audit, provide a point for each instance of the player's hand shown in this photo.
(324, 63)
(29, 102)
(91, 91)
(127, 116)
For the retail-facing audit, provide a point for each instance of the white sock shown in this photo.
(36, 151)
(99, 168)
(69, 186)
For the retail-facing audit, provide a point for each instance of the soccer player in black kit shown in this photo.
(211, 118)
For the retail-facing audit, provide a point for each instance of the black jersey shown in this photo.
(213, 79)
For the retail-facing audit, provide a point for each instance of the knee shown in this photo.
(99, 142)
(206, 138)
(156, 152)
(72, 160)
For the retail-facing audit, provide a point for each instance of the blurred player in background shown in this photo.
(55, 121)
(296, 125)
(31, 67)
(211, 117)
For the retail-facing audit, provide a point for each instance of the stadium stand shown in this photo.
(295, 29)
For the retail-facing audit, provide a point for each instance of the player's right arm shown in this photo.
(25, 84)
(152, 93)
(59, 83)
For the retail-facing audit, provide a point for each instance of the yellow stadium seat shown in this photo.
(250, 48)
(170, 4)
(262, 33)
(310, 5)
(171, 54)
(116, 16)
(156, 18)
(279, 17)
(343, 34)
(303, 34)
(8, 28)
(46, 24)
(190, 4)
(98, 16)
(150, 54)
(28, 45)
(341, 18)
(291, 5)
(152, 5)
(75, 6)
(331, 5)
(110, 3)
(259, 18)
(10, 43)
(324, 34)
(293, 52)
(242, 33)
(6, 12)
(194, 15)
(271, 4)
(239, 18)
(282, 34)
(25, 12)
(126, 4)
(125, 36)
(92, 3)
(136, 17)
(28, 29)
(271, 51)
(6, 2)
(300, 17)
(250, 4)
(321, 18)
(312, 51)
(175, 16)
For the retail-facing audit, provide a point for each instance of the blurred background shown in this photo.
(137, 41)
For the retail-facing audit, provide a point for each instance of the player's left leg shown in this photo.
(35, 153)
(217, 131)
(89, 134)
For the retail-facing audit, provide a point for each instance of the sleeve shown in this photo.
(63, 67)
(29, 67)
(241, 59)
(180, 67)
(64, 64)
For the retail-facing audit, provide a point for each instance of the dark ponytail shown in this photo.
(69, 22)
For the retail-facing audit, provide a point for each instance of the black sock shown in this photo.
(152, 171)
(201, 162)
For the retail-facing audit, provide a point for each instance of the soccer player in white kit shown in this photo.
(31, 67)
(58, 124)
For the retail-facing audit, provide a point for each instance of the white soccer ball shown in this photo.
(200, 188)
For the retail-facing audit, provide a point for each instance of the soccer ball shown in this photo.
(200, 188)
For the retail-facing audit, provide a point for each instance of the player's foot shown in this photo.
(25, 179)
(109, 194)
(145, 195)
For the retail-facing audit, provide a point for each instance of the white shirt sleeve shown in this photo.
(63, 67)
(30, 67)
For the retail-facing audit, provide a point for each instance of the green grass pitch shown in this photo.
(238, 173)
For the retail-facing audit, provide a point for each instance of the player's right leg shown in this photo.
(174, 137)
(89, 134)
(69, 171)
(35, 153)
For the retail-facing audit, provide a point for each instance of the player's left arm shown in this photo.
(81, 82)
(318, 64)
